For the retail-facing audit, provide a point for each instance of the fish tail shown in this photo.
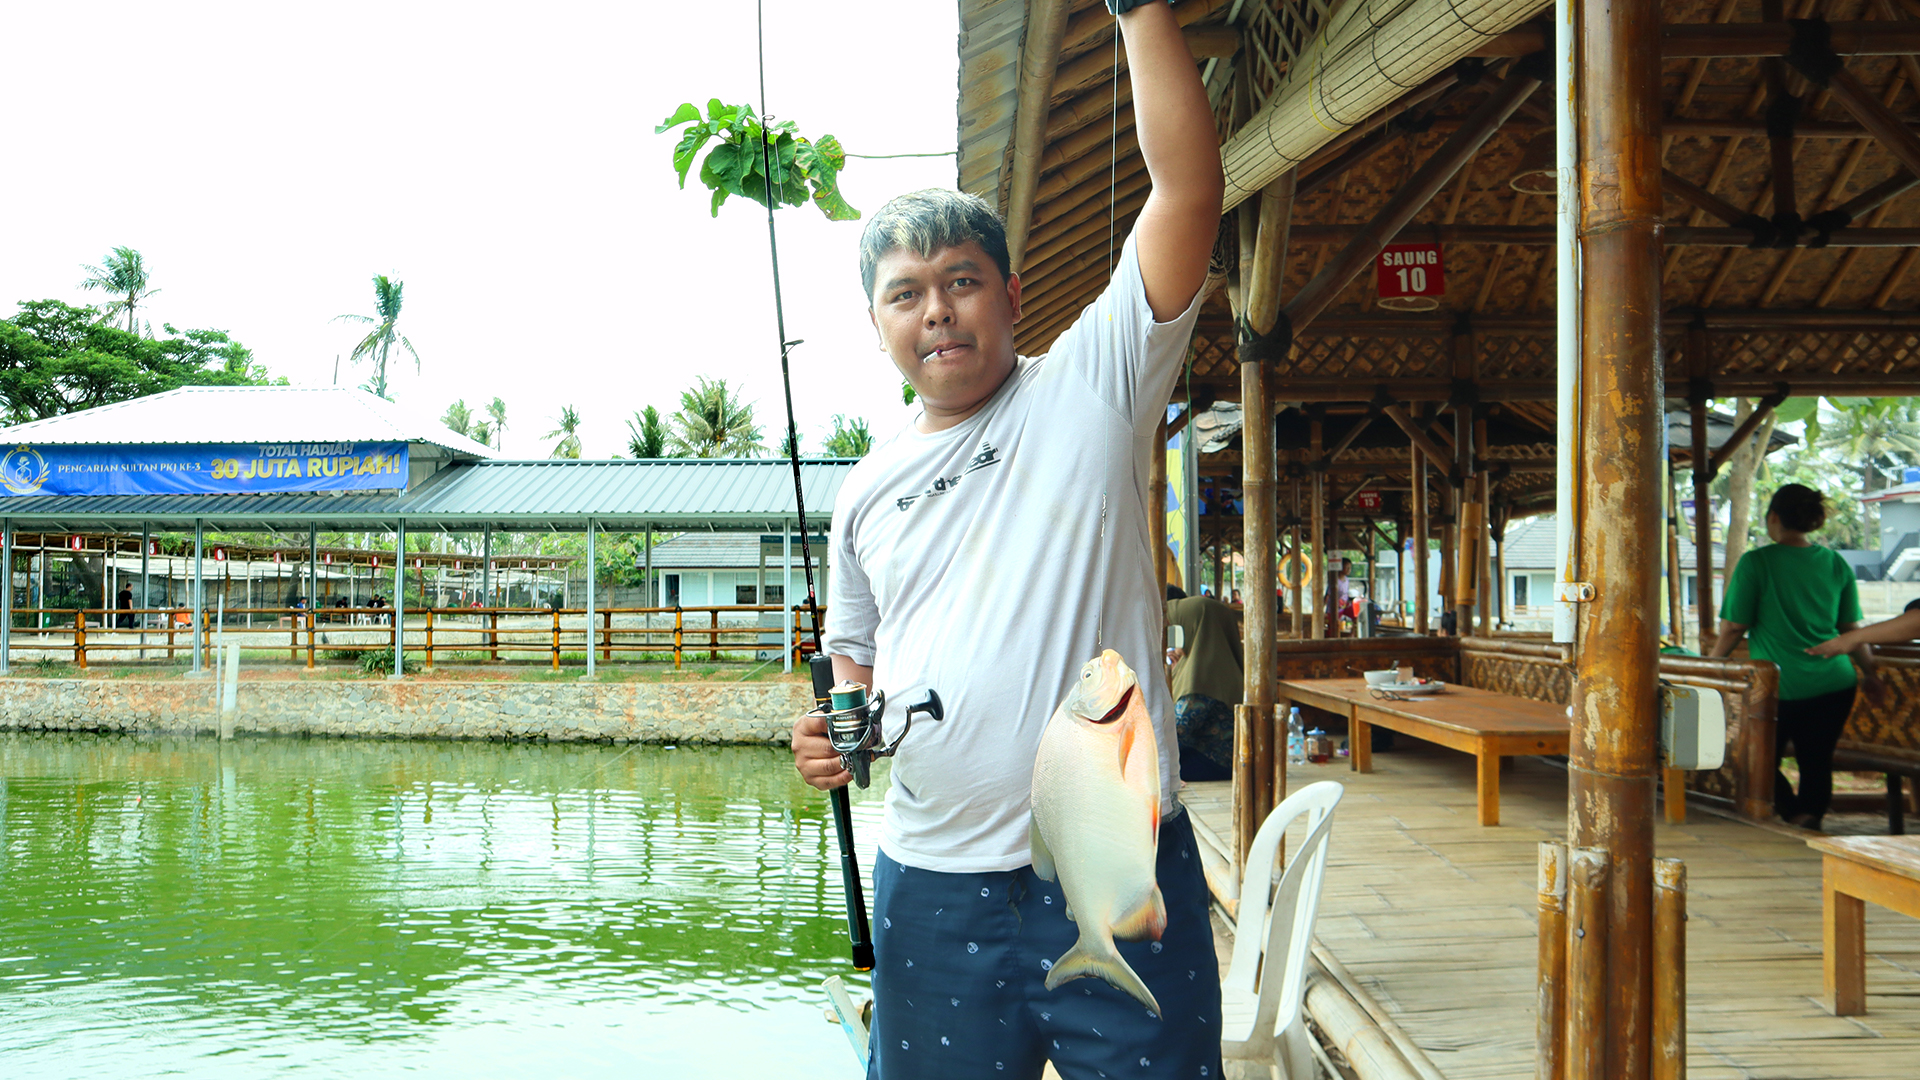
(1097, 958)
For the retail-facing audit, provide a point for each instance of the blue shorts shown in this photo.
(960, 969)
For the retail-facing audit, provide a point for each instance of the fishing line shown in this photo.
(859, 934)
(1106, 445)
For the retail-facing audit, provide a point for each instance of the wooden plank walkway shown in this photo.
(1435, 916)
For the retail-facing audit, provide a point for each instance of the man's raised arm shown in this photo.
(1174, 235)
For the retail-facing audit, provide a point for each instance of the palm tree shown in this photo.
(497, 422)
(124, 275)
(1873, 436)
(568, 433)
(647, 434)
(850, 438)
(482, 433)
(458, 418)
(379, 342)
(712, 423)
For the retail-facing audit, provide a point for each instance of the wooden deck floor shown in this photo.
(1435, 916)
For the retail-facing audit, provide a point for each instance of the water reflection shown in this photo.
(335, 906)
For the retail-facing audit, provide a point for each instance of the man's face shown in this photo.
(947, 320)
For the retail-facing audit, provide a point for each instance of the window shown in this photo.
(776, 594)
(743, 594)
(1687, 583)
(673, 590)
(1519, 590)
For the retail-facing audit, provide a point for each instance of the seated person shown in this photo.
(1901, 628)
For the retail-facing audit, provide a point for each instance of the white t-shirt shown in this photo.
(973, 561)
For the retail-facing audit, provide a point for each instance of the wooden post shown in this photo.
(1450, 551)
(1299, 560)
(556, 639)
(1616, 696)
(1466, 521)
(80, 639)
(1670, 529)
(1669, 969)
(1483, 533)
(1550, 1007)
(1317, 502)
(1421, 528)
(713, 636)
(429, 664)
(1258, 477)
(606, 634)
(1698, 391)
(493, 633)
(1156, 507)
(310, 636)
(1587, 968)
(679, 626)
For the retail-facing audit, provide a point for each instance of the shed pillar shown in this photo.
(199, 588)
(1616, 692)
(786, 595)
(146, 580)
(486, 567)
(592, 651)
(399, 605)
(6, 595)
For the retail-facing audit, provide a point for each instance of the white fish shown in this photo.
(1096, 822)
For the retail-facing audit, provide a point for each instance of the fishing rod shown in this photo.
(853, 720)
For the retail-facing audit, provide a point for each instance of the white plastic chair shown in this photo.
(1262, 994)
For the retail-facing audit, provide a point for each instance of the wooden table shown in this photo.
(1479, 722)
(1856, 869)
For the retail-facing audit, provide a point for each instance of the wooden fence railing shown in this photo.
(474, 634)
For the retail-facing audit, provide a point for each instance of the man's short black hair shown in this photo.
(1175, 592)
(923, 222)
(1912, 605)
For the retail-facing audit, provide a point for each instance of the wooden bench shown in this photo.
(1856, 869)
(1487, 725)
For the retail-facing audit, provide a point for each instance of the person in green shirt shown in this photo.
(1785, 597)
(1207, 678)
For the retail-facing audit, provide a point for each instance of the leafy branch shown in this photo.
(803, 169)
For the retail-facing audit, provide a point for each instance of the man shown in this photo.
(988, 551)
(1208, 674)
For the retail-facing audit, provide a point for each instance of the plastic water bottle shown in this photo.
(1296, 738)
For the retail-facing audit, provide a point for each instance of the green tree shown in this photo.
(647, 434)
(123, 275)
(1873, 437)
(458, 418)
(712, 423)
(849, 438)
(497, 422)
(56, 358)
(388, 298)
(568, 432)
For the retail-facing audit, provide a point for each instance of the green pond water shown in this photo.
(180, 907)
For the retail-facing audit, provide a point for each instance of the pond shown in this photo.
(322, 908)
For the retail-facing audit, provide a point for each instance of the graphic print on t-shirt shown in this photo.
(982, 458)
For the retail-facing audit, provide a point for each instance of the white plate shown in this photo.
(1412, 688)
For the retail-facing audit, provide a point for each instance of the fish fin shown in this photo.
(1081, 962)
(1149, 920)
(1126, 747)
(1042, 858)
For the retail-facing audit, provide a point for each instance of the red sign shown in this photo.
(1404, 270)
(375, 562)
(276, 556)
(74, 542)
(219, 554)
(1367, 500)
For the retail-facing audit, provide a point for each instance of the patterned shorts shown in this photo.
(1204, 727)
(960, 969)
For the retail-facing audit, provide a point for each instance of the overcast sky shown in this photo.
(268, 160)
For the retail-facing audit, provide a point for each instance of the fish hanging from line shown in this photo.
(1096, 822)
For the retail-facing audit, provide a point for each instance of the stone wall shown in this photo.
(630, 712)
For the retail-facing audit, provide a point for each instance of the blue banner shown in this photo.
(206, 469)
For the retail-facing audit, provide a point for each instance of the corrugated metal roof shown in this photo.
(990, 36)
(726, 551)
(671, 493)
(246, 414)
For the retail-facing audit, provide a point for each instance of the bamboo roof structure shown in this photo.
(1828, 310)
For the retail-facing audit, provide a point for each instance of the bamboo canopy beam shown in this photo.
(1689, 40)
(1673, 235)
(1893, 134)
(1039, 57)
(1398, 414)
(1745, 431)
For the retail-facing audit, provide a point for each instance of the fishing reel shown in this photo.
(853, 726)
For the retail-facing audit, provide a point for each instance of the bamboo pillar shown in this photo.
(1483, 533)
(1466, 521)
(1449, 548)
(1670, 529)
(1421, 528)
(1615, 711)
(1697, 394)
(1502, 596)
(1299, 567)
(1588, 1036)
(1318, 528)
(1156, 508)
(1550, 1007)
(1669, 969)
